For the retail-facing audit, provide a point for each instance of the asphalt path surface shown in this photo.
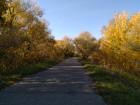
(64, 84)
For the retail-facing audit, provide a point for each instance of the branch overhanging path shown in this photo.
(64, 84)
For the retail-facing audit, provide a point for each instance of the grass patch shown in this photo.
(116, 88)
(10, 77)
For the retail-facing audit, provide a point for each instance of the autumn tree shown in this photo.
(85, 44)
(24, 37)
(120, 41)
(67, 46)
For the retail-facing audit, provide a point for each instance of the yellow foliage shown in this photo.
(120, 43)
(24, 37)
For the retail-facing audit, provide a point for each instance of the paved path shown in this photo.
(64, 84)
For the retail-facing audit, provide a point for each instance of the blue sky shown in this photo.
(71, 17)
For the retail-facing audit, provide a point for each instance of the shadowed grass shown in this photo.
(116, 88)
(10, 77)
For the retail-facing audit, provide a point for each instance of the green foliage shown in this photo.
(116, 88)
(9, 77)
